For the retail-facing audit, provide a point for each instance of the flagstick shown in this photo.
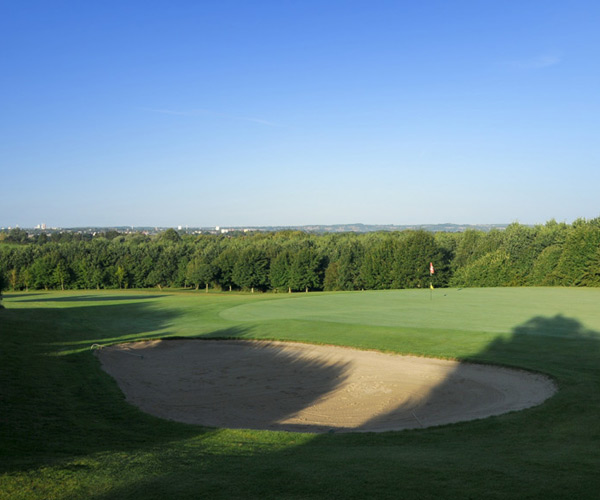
(431, 271)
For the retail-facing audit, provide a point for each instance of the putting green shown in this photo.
(494, 310)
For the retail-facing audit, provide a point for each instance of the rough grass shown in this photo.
(66, 431)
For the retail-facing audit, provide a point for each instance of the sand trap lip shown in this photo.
(312, 388)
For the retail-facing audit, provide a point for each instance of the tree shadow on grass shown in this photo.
(90, 298)
(55, 399)
(14, 295)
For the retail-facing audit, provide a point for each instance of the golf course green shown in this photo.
(66, 430)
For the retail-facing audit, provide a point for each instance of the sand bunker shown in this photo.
(309, 388)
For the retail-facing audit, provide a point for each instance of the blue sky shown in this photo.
(241, 113)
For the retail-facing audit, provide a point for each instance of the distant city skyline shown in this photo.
(274, 113)
(356, 227)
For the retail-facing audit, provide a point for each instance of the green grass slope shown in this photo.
(66, 431)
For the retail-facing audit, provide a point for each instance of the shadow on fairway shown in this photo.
(559, 326)
(14, 295)
(55, 399)
(91, 298)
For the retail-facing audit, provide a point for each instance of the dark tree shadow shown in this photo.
(54, 398)
(13, 295)
(90, 298)
(558, 326)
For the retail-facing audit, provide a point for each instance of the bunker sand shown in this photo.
(311, 388)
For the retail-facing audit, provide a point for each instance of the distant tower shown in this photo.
(217, 228)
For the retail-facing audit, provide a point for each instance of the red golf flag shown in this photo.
(431, 269)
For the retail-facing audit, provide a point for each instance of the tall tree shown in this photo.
(251, 269)
(348, 272)
(200, 271)
(60, 274)
(120, 275)
(378, 266)
(415, 251)
(306, 270)
(225, 264)
(280, 270)
(330, 281)
(579, 254)
(2, 285)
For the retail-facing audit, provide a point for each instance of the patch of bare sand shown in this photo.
(310, 388)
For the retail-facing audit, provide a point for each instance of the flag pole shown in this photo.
(431, 271)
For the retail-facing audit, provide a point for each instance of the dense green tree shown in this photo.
(200, 271)
(164, 266)
(25, 275)
(414, 253)
(120, 276)
(468, 249)
(493, 269)
(251, 269)
(170, 235)
(88, 274)
(2, 286)
(280, 271)
(330, 281)
(550, 254)
(225, 263)
(519, 243)
(349, 262)
(41, 273)
(13, 278)
(17, 235)
(377, 269)
(41, 239)
(306, 270)
(60, 274)
(591, 277)
(543, 272)
(579, 254)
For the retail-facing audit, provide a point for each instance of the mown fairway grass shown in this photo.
(66, 431)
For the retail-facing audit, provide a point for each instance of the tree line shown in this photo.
(553, 254)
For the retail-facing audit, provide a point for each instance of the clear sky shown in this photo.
(234, 113)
